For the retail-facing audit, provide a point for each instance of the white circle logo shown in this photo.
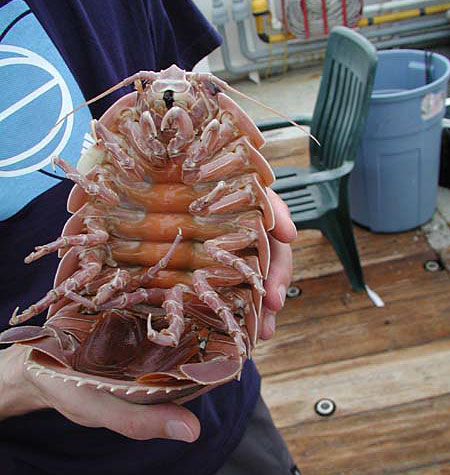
(22, 56)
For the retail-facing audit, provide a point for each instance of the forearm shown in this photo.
(22, 391)
(17, 394)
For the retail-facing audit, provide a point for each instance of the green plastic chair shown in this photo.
(317, 196)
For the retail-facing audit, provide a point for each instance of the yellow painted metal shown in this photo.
(260, 10)
(260, 26)
(281, 37)
(404, 15)
(260, 7)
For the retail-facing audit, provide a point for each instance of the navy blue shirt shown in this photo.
(95, 44)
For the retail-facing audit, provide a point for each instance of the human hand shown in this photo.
(280, 271)
(23, 391)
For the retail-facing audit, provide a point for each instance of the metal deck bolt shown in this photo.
(432, 266)
(293, 292)
(325, 407)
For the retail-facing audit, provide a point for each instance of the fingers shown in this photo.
(141, 422)
(268, 325)
(278, 280)
(284, 230)
(94, 408)
(280, 271)
(280, 274)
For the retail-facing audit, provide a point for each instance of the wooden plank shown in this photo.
(286, 147)
(435, 469)
(362, 384)
(314, 256)
(354, 334)
(380, 442)
(329, 295)
(326, 323)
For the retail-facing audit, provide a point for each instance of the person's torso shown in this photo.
(53, 56)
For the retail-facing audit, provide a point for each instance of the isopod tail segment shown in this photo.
(222, 362)
(67, 356)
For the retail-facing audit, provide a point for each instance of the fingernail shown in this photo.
(294, 229)
(272, 322)
(269, 323)
(179, 430)
(282, 294)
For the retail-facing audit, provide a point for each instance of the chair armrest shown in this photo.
(291, 178)
(278, 124)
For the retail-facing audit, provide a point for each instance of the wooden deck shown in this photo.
(387, 369)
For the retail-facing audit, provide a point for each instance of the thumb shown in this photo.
(142, 422)
(95, 408)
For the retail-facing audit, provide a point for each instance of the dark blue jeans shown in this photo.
(262, 450)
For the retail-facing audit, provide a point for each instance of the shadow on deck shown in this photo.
(387, 369)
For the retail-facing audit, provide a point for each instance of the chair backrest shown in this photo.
(343, 100)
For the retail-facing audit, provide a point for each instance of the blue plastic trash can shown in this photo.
(393, 186)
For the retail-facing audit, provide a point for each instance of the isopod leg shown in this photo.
(127, 299)
(201, 205)
(120, 280)
(227, 196)
(98, 235)
(162, 264)
(91, 262)
(128, 165)
(211, 298)
(142, 137)
(173, 305)
(214, 138)
(91, 188)
(179, 119)
(224, 165)
(219, 249)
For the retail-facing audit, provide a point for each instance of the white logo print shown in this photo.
(22, 56)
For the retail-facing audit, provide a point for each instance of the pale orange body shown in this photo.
(166, 247)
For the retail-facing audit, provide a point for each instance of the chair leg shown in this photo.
(337, 227)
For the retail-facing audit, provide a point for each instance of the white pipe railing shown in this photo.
(397, 5)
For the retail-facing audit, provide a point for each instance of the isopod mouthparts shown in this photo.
(159, 292)
(168, 99)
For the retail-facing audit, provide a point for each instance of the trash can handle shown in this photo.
(428, 63)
